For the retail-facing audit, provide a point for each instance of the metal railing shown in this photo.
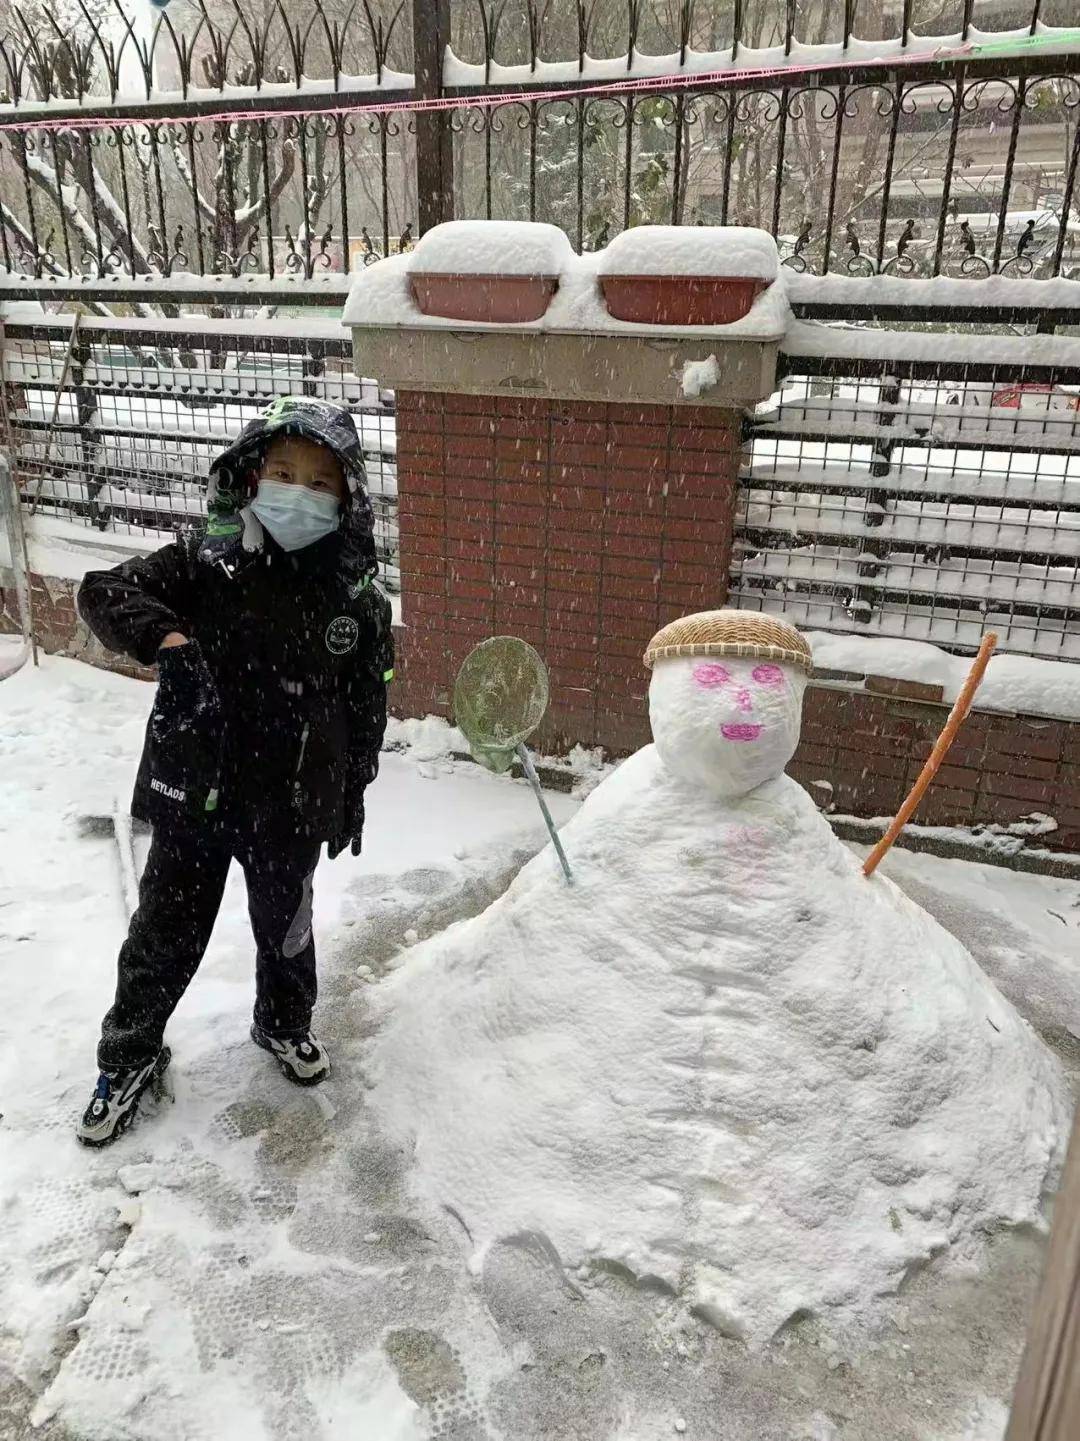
(118, 438)
(99, 54)
(219, 143)
(15, 637)
(923, 500)
(536, 31)
(95, 55)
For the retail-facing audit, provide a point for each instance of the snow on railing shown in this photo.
(134, 51)
(184, 145)
(138, 51)
(963, 419)
(654, 39)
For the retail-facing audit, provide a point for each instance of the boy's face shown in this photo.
(296, 460)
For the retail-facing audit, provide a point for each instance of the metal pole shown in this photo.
(434, 138)
(534, 780)
(7, 479)
(50, 437)
(20, 529)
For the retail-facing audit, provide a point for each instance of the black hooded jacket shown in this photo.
(281, 731)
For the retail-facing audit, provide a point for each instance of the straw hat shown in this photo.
(747, 634)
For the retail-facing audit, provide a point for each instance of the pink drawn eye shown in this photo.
(770, 675)
(710, 677)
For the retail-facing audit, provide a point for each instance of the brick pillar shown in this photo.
(581, 527)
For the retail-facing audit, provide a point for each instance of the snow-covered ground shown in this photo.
(13, 652)
(251, 1263)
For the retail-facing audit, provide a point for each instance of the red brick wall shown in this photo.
(580, 527)
(870, 749)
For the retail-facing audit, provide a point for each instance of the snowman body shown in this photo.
(723, 1059)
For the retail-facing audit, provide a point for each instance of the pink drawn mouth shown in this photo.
(741, 732)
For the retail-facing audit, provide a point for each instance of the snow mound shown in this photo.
(699, 376)
(491, 247)
(739, 250)
(1026, 685)
(722, 1059)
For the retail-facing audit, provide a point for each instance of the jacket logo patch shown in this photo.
(170, 792)
(341, 635)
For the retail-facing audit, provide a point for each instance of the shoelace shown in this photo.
(101, 1090)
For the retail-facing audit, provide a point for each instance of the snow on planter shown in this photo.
(718, 250)
(686, 274)
(722, 1059)
(488, 270)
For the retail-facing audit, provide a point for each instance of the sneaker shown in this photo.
(116, 1099)
(301, 1058)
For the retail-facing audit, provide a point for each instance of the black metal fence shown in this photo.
(218, 142)
(112, 426)
(913, 498)
(216, 159)
(922, 499)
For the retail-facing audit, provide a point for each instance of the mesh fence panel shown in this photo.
(927, 509)
(123, 442)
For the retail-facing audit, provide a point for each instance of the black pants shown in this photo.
(179, 898)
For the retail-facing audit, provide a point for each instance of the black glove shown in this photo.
(186, 688)
(181, 765)
(353, 836)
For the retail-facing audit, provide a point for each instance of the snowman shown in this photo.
(723, 1061)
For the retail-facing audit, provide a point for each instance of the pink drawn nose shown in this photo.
(743, 700)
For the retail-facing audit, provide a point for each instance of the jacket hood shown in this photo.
(319, 420)
(230, 489)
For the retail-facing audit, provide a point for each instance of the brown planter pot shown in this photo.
(505, 299)
(680, 299)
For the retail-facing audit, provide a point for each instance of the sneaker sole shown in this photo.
(124, 1124)
(287, 1071)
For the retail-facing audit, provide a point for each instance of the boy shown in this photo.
(274, 650)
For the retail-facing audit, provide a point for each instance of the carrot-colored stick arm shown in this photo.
(961, 706)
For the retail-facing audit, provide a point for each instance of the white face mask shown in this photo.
(294, 515)
(725, 724)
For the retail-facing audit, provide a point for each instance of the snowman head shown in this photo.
(726, 698)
